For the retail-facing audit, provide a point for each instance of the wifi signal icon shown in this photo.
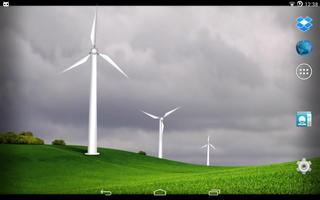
(291, 3)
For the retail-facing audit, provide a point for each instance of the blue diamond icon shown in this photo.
(308, 19)
(299, 25)
(308, 25)
(299, 19)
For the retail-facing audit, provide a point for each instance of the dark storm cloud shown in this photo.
(233, 79)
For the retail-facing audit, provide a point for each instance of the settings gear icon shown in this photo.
(304, 166)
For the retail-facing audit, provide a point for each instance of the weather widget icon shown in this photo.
(304, 119)
(304, 23)
(304, 47)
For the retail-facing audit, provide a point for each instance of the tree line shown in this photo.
(24, 137)
(19, 138)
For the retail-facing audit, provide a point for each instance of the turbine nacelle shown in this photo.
(160, 118)
(93, 51)
(208, 144)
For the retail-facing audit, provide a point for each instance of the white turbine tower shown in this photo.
(92, 135)
(208, 150)
(161, 127)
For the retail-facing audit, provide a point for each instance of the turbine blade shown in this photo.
(108, 59)
(150, 115)
(83, 60)
(93, 30)
(171, 111)
(204, 146)
(212, 146)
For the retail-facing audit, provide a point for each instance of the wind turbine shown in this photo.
(161, 127)
(208, 150)
(92, 135)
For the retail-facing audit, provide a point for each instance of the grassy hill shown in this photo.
(47, 169)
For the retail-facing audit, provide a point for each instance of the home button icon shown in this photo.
(159, 192)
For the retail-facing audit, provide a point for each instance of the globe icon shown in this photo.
(304, 47)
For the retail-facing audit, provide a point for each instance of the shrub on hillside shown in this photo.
(58, 142)
(142, 153)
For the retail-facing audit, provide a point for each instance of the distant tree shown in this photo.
(142, 153)
(58, 142)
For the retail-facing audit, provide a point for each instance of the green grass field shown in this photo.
(47, 169)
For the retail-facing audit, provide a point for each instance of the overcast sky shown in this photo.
(231, 69)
